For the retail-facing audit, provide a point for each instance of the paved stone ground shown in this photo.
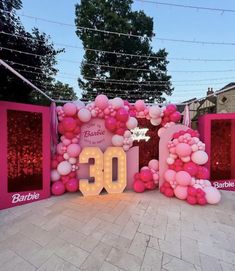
(118, 232)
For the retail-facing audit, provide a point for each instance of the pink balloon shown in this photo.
(69, 124)
(183, 178)
(175, 117)
(73, 150)
(84, 115)
(192, 191)
(111, 124)
(140, 105)
(191, 168)
(72, 185)
(70, 109)
(55, 176)
(199, 157)
(54, 164)
(60, 148)
(183, 149)
(117, 140)
(146, 175)
(120, 131)
(191, 200)
(171, 108)
(181, 192)
(153, 164)
(138, 186)
(57, 188)
(154, 111)
(69, 135)
(60, 128)
(122, 114)
(203, 173)
(169, 175)
(64, 168)
(102, 101)
(131, 123)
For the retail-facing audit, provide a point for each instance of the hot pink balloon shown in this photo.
(203, 173)
(73, 150)
(102, 101)
(69, 124)
(140, 105)
(70, 109)
(183, 178)
(138, 186)
(57, 188)
(171, 108)
(72, 185)
(191, 168)
(146, 175)
(111, 124)
(181, 192)
(169, 175)
(122, 114)
(183, 149)
(175, 117)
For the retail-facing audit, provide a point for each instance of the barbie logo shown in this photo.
(21, 198)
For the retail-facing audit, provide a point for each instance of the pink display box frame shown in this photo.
(205, 134)
(5, 196)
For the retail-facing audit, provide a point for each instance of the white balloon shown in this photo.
(156, 122)
(64, 168)
(155, 111)
(213, 195)
(84, 115)
(199, 157)
(117, 140)
(117, 102)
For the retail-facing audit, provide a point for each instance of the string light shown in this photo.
(221, 10)
(129, 34)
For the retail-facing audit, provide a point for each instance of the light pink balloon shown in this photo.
(155, 177)
(161, 131)
(102, 101)
(170, 161)
(183, 149)
(181, 192)
(140, 105)
(213, 195)
(55, 176)
(70, 109)
(117, 140)
(199, 157)
(155, 111)
(117, 102)
(84, 115)
(183, 178)
(131, 123)
(169, 175)
(66, 141)
(60, 148)
(153, 164)
(64, 168)
(73, 150)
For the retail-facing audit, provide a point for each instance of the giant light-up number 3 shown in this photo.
(102, 170)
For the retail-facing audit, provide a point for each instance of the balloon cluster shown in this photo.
(187, 177)
(147, 178)
(170, 114)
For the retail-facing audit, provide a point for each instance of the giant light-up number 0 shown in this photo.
(102, 170)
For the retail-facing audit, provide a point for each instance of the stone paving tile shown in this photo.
(119, 232)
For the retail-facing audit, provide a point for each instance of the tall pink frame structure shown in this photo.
(6, 197)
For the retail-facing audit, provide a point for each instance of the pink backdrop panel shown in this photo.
(22, 179)
(163, 150)
(218, 133)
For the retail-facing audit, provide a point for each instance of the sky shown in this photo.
(189, 78)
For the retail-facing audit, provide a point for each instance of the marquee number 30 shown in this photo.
(102, 170)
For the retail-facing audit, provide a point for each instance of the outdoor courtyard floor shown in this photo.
(125, 231)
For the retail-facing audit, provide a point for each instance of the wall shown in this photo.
(229, 105)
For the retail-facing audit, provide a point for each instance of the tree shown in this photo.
(116, 16)
(32, 54)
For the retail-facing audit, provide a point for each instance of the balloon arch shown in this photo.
(185, 177)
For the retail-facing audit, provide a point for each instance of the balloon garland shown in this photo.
(120, 118)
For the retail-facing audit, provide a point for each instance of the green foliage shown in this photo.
(13, 88)
(116, 15)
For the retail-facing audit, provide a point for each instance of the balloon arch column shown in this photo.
(182, 154)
